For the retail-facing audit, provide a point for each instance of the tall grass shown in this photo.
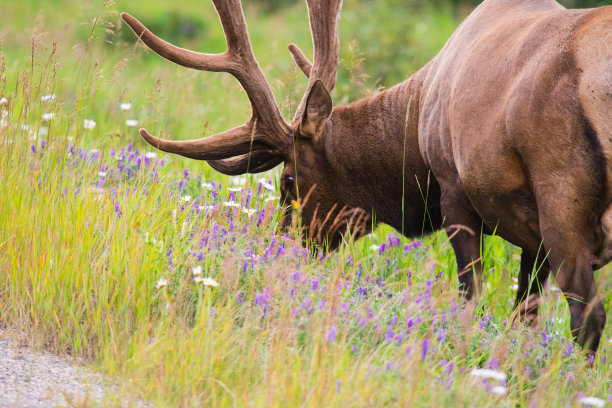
(99, 238)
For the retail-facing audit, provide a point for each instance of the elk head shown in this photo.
(267, 140)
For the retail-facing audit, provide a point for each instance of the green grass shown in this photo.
(82, 249)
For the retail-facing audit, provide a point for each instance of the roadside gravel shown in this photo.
(37, 379)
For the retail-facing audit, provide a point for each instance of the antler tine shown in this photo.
(267, 129)
(300, 59)
(323, 16)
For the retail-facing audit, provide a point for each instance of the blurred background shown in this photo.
(97, 63)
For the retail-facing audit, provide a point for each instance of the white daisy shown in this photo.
(234, 189)
(592, 402)
(499, 390)
(89, 124)
(125, 106)
(231, 204)
(151, 155)
(131, 122)
(239, 181)
(47, 98)
(209, 282)
(161, 283)
(268, 186)
(488, 373)
(48, 115)
(197, 271)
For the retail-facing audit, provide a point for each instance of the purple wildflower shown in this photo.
(331, 335)
(425, 348)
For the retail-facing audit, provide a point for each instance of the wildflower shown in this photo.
(161, 283)
(3, 101)
(239, 181)
(125, 106)
(131, 122)
(514, 287)
(206, 207)
(592, 402)
(374, 248)
(425, 346)
(197, 271)
(89, 124)
(266, 184)
(231, 204)
(186, 198)
(234, 189)
(249, 211)
(210, 282)
(102, 173)
(151, 155)
(270, 198)
(208, 186)
(393, 239)
(43, 131)
(261, 299)
(47, 98)
(488, 373)
(48, 116)
(331, 335)
(499, 390)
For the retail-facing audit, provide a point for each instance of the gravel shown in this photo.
(37, 379)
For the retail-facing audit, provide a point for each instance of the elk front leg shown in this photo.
(462, 225)
(533, 274)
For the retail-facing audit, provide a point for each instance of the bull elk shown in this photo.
(513, 118)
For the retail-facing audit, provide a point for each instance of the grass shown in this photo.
(99, 240)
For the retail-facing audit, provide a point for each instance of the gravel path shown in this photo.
(37, 379)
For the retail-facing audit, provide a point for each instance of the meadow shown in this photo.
(174, 280)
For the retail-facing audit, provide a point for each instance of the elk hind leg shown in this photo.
(569, 243)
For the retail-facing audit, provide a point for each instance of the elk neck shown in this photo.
(373, 153)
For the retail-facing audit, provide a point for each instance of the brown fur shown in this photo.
(508, 128)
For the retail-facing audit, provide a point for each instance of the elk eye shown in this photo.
(289, 183)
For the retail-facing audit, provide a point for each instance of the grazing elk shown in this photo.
(513, 118)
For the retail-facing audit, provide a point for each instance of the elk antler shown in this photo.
(323, 16)
(265, 137)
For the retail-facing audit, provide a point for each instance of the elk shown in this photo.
(507, 129)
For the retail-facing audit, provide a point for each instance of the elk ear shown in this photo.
(318, 110)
